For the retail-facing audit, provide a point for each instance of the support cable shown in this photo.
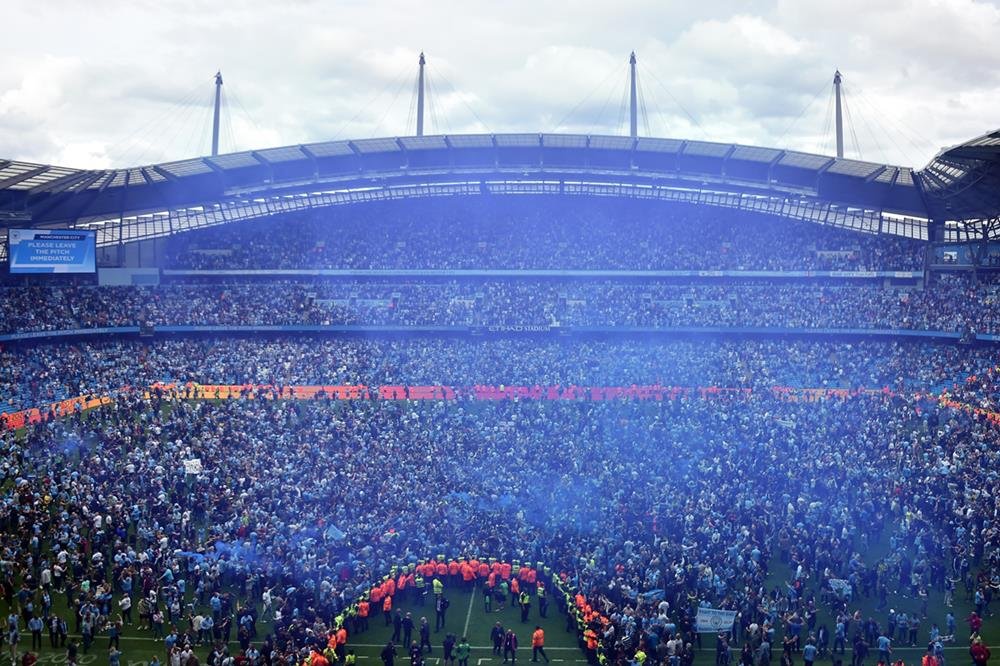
(801, 113)
(676, 101)
(585, 99)
(388, 108)
(461, 98)
(400, 76)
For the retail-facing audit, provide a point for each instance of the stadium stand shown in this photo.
(952, 304)
(573, 234)
(700, 415)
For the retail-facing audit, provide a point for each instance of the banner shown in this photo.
(193, 466)
(713, 620)
(841, 588)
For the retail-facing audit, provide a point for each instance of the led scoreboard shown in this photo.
(52, 250)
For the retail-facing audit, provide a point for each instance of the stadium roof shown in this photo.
(155, 200)
(963, 182)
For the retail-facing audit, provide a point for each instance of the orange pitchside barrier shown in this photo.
(992, 417)
(653, 392)
(649, 392)
(15, 420)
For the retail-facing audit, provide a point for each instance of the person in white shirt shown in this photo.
(266, 600)
(125, 605)
(196, 627)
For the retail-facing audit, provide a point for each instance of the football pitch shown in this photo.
(466, 616)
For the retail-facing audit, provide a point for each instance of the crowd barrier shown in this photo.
(479, 392)
(653, 392)
(16, 420)
(945, 401)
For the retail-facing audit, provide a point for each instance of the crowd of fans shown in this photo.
(565, 233)
(648, 509)
(948, 304)
(980, 390)
(36, 375)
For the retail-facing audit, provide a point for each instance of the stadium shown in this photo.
(586, 398)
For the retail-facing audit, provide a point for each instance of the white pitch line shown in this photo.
(468, 613)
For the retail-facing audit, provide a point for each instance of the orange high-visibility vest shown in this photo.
(387, 605)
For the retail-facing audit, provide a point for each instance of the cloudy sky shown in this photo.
(108, 83)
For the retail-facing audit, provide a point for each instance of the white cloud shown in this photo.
(118, 83)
